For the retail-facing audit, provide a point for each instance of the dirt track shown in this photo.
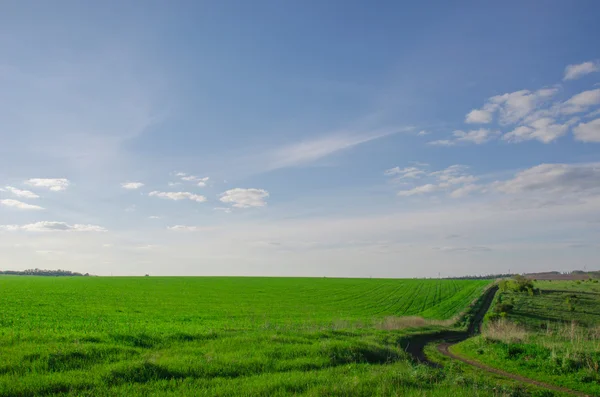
(415, 347)
(444, 349)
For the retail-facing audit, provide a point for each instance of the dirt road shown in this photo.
(416, 345)
(444, 349)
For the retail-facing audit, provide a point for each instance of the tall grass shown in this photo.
(505, 331)
(552, 337)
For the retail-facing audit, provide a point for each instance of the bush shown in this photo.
(503, 308)
(518, 284)
(492, 316)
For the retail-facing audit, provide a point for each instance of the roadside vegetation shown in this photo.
(226, 336)
(544, 330)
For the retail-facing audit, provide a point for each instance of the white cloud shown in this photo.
(449, 172)
(154, 217)
(478, 137)
(132, 185)
(20, 205)
(595, 113)
(226, 210)
(193, 178)
(22, 193)
(245, 198)
(573, 72)
(9, 228)
(557, 179)
(544, 130)
(408, 172)
(184, 228)
(55, 185)
(178, 196)
(465, 191)
(423, 189)
(479, 116)
(515, 106)
(47, 226)
(453, 177)
(581, 102)
(308, 151)
(442, 142)
(423, 133)
(588, 132)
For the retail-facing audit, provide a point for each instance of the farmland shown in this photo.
(551, 337)
(223, 336)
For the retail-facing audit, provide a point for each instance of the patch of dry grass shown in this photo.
(505, 331)
(395, 323)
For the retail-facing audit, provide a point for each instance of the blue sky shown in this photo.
(308, 138)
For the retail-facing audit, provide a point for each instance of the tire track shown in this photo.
(416, 345)
(443, 348)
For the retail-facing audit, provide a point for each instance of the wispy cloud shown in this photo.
(184, 228)
(573, 72)
(53, 184)
(200, 181)
(177, 196)
(21, 193)
(308, 151)
(19, 205)
(588, 132)
(48, 226)
(132, 185)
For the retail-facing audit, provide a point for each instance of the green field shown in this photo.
(553, 336)
(222, 336)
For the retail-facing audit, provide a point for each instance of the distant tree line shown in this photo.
(480, 277)
(43, 272)
(541, 275)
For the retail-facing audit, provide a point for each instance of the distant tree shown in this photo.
(43, 272)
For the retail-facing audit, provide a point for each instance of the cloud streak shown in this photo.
(132, 185)
(55, 185)
(20, 205)
(21, 193)
(309, 151)
(573, 72)
(50, 226)
(178, 196)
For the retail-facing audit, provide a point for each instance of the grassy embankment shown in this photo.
(553, 336)
(224, 336)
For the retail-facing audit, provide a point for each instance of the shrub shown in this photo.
(503, 308)
(518, 284)
(492, 316)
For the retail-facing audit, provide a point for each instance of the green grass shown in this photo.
(221, 336)
(556, 340)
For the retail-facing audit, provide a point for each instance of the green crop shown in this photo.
(218, 336)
